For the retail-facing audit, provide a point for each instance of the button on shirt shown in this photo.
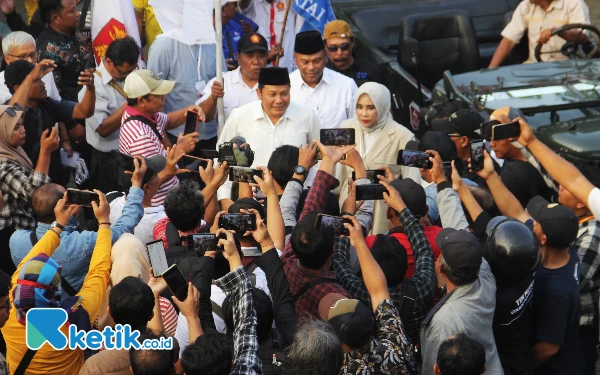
(237, 92)
(298, 126)
(332, 99)
(534, 20)
(108, 101)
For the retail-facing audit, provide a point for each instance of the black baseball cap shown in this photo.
(559, 223)
(252, 42)
(351, 320)
(413, 195)
(440, 142)
(460, 248)
(464, 122)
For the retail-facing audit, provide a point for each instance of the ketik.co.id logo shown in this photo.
(43, 326)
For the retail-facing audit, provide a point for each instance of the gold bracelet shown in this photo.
(267, 245)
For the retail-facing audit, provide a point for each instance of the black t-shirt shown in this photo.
(512, 325)
(48, 113)
(359, 76)
(556, 315)
(524, 181)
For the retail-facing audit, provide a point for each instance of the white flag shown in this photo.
(111, 20)
(187, 21)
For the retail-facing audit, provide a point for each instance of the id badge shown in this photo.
(200, 85)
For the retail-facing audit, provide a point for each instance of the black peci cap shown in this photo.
(309, 43)
(274, 76)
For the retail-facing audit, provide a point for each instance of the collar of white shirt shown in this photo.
(325, 79)
(259, 113)
(106, 77)
(555, 4)
(236, 78)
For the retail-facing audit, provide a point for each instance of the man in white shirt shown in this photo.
(240, 84)
(328, 93)
(538, 18)
(269, 16)
(102, 130)
(269, 123)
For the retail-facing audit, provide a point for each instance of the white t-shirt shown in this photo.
(594, 202)
(143, 231)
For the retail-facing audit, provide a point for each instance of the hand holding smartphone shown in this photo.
(82, 198)
(176, 282)
(327, 222)
(158, 259)
(477, 157)
(370, 192)
(372, 175)
(191, 122)
(203, 242)
(243, 174)
(496, 131)
(414, 159)
(238, 222)
(337, 137)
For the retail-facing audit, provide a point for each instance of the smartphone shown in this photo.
(82, 198)
(203, 242)
(505, 131)
(371, 192)
(477, 148)
(176, 282)
(260, 195)
(372, 175)
(191, 122)
(158, 259)
(324, 222)
(486, 129)
(237, 222)
(414, 159)
(123, 162)
(243, 174)
(319, 156)
(448, 170)
(209, 154)
(337, 137)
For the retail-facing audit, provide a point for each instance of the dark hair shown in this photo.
(246, 204)
(131, 302)
(49, 8)
(124, 50)
(264, 313)
(43, 201)
(184, 205)
(461, 355)
(5, 284)
(16, 72)
(133, 102)
(210, 354)
(316, 350)
(282, 163)
(312, 247)
(152, 361)
(332, 207)
(391, 257)
(462, 276)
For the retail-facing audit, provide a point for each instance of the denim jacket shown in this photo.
(75, 250)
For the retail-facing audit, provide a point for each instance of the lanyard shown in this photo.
(272, 27)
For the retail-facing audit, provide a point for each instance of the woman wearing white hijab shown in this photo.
(18, 178)
(378, 140)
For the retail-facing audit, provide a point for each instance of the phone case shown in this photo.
(158, 259)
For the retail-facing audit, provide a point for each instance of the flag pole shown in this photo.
(219, 78)
(285, 18)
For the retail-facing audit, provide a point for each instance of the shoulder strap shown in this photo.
(172, 234)
(217, 309)
(409, 294)
(25, 361)
(145, 121)
(66, 287)
(308, 286)
(114, 85)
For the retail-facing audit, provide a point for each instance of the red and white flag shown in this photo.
(111, 20)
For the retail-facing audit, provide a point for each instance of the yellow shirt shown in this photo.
(31, 6)
(151, 28)
(66, 361)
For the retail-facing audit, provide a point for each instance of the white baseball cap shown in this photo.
(223, 2)
(143, 82)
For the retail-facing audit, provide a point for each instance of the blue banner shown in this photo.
(317, 13)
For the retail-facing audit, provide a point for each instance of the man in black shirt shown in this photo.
(24, 80)
(61, 42)
(339, 44)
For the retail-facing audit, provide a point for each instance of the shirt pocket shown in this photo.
(231, 101)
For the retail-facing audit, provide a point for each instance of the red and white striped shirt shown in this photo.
(137, 138)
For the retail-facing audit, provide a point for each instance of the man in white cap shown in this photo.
(144, 125)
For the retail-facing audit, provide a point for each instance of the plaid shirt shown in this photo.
(423, 279)
(246, 354)
(18, 183)
(588, 245)
(298, 275)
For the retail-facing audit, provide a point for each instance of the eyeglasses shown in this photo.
(32, 56)
(343, 47)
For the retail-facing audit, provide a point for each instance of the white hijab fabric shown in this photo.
(380, 96)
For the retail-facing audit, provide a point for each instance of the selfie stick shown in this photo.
(219, 78)
(285, 17)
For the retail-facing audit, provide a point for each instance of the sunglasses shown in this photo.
(343, 47)
(12, 111)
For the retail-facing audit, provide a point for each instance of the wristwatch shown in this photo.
(55, 224)
(300, 170)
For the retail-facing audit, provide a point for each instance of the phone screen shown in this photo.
(158, 259)
(324, 222)
(486, 129)
(370, 192)
(242, 174)
(176, 282)
(209, 154)
(337, 137)
(82, 198)
(414, 159)
(505, 131)
(372, 175)
(203, 242)
(477, 148)
(237, 222)
(191, 121)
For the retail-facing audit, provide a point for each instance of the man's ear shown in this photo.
(131, 369)
(436, 369)
(108, 311)
(464, 141)
(259, 93)
(580, 205)
(484, 369)
(543, 239)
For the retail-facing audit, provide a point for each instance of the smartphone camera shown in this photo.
(238, 222)
(327, 222)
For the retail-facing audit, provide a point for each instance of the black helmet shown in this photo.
(511, 250)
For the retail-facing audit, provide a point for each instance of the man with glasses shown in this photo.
(103, 128)
(339, 42)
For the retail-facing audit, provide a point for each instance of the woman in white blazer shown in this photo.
(378, 140)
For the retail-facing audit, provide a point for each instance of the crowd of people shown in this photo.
(457, 270)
